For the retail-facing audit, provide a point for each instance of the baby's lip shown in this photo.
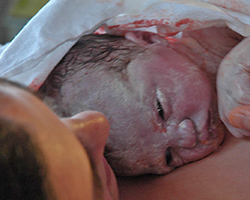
(206, 144)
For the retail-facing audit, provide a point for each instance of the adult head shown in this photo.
(43, 157)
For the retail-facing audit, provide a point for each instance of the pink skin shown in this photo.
(144, 135)
(92, 136)
(188, 105)
(239, 117)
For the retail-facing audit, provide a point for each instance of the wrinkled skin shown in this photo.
(234, 83)
(160, 97)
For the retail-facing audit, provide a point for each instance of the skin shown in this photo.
(233, 85)
(68, 145)
(70, 125)
(23, 110)
(222, 175)
(152, 101)
(239, 117)
(23, 107)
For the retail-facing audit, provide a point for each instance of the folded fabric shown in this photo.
(41, 44)
(171, 17)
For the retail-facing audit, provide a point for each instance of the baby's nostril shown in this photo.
(169, 156)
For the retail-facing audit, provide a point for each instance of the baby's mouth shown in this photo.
(214, 136)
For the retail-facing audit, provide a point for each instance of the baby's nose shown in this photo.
(183, 134)
(187, 133)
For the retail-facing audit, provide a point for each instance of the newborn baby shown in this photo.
(159, 95)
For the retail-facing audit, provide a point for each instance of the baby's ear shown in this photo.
(145, 38)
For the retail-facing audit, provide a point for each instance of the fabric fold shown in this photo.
(40, 45)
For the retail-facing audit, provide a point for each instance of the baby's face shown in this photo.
(168, 115)
(161, 107)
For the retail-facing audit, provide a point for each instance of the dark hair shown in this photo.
(22, 169)
(92, 52)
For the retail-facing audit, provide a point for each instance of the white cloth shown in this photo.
(41, 44)
(172, 16)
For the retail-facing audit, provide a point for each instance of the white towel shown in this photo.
(41, 44)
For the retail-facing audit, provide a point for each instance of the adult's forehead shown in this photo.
(11, 87)
(14, 95)
(8, 90)
(5, 82)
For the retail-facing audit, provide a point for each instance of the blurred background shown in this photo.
(14, 14)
